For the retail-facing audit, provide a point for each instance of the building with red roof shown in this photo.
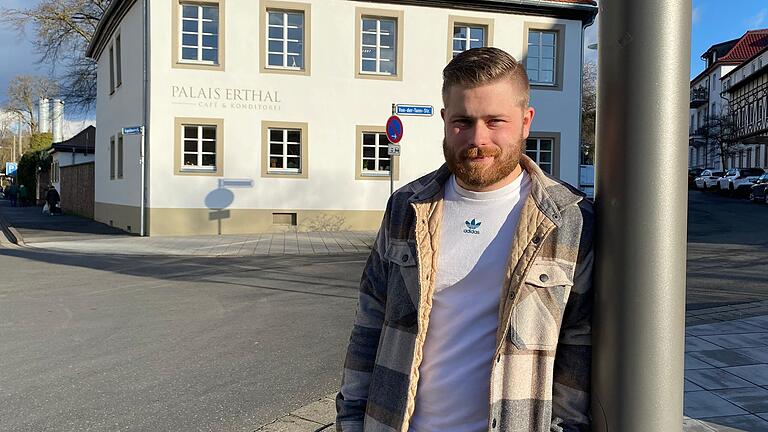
(710, 102)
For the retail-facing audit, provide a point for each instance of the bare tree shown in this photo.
(62, 31)
(24, 91)
(719, 132)
(588, 111)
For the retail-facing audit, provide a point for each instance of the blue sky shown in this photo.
(716, 21)
(713, 22)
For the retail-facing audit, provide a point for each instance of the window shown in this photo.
(198, 34)
(112, 158)
(466, 37)
(544, 54)
(285, 45)
(379, 43)
(468, 32)
(198, 146)
(284, 149)
(120, 156)
(111, 69)
(118, 62)
(544, 150)
(541, 57)
(373, 160)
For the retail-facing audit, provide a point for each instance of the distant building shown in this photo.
(72, 172)
(708, 99)
(746, 89)
(269, 115)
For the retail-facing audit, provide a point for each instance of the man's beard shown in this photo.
(477, 175)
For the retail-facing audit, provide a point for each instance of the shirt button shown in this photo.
(536, 239)
(498, 358)
(405, 258)
(543, 278)
(494, 423)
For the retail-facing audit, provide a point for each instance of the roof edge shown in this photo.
(744, 63)
(585, 13)
(108, 23)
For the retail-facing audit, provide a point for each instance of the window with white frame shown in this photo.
(199, 33)
(375, 155)
(284, 151)
(378, 46)
(199, 147)
(541, 151)
(542, 57)
(285, 39)
(467, 37)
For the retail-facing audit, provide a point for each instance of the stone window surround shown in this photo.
(303, 157)
(178, 122)
(305, 8)
(398, 16)
(559, 51)
(454, 20)
(395, 164)
(555, 137)
(176, 61)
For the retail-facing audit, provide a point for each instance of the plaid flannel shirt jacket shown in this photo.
(541, 371)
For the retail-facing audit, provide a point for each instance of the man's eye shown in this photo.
(495, 122)
(461, 122)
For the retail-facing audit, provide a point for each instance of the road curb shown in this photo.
(318, 416)
(11, 233)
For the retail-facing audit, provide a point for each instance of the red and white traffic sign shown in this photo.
(394, 129)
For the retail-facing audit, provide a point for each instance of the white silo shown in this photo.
(58, 120)
(44, 117)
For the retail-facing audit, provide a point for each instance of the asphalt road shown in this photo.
(92, 343)
(109, 342)
(727, 250)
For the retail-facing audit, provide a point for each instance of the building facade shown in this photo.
(746, 88)
(269, 115)
(710, 118)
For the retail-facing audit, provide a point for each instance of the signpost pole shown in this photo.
(391, 163)
(141, 168)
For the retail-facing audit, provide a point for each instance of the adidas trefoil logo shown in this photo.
(472, 227)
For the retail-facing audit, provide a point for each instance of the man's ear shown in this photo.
(528, 115)
(442, 113)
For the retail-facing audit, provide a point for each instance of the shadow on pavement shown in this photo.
(310, 275)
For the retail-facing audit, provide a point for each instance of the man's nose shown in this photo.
(480, 135)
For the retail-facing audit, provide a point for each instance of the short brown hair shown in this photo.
(479, 66)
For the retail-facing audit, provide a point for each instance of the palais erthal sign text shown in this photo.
(226, 98)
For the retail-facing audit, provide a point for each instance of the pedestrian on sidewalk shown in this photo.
(52, 198)
(475, 304)
(23, 195)
(13, 193)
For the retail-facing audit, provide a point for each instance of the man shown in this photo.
(52, 198)
(475, 304)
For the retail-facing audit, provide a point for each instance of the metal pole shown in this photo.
(391, 163)
(141, 169)
(18, 132)
(641, 199)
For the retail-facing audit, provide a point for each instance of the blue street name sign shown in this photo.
(10, 168)
(132, 130)
(414, 110)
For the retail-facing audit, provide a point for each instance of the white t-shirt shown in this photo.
(476, 235)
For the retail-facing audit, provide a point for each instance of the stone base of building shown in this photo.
(188, 221)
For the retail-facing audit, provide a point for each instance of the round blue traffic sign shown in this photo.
(394, 129)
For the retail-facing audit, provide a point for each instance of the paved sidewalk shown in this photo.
(29, 227)
(726, 375)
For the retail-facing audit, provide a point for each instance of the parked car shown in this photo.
(739, 180)
(708, 179)
(692, 174)
(759, 190)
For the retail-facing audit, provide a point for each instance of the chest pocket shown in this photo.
(538, 312)
(403, 279)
